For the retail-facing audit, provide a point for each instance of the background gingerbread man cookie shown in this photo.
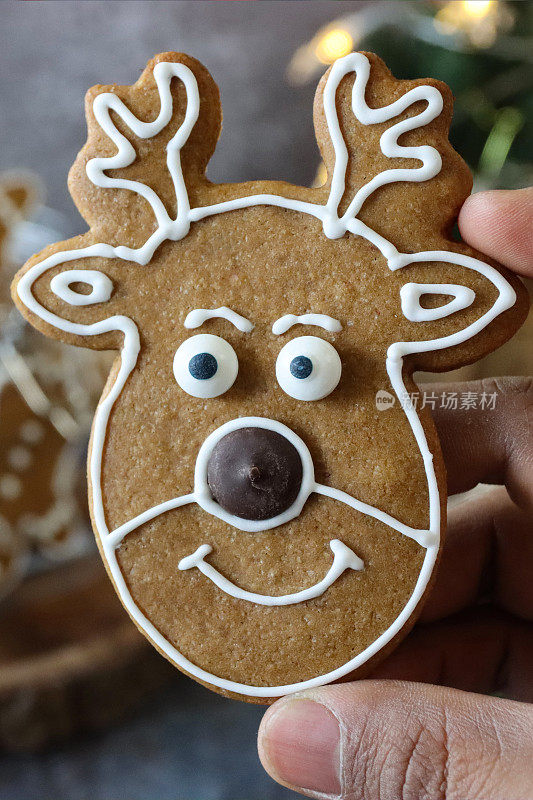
(41, 441)
(266, 526)
(18, 196)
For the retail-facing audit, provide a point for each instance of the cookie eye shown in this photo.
(205, 365)
(308, 368)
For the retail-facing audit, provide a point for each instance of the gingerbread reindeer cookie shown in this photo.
(264, 523)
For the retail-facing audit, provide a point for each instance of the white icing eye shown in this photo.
(205, 365)
(308, 368)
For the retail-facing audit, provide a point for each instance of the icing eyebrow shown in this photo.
(198, 316)
(283, 324)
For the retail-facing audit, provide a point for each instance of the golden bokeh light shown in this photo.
(478, 20)
(333, 44)
(478, 8)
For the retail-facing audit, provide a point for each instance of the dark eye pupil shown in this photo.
(203, 366)
(301, 367)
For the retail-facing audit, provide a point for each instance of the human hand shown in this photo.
(389, 737)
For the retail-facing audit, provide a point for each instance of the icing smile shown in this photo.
(343, 559)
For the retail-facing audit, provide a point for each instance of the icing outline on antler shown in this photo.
(95, 168)
(429, 156)
(334, 226)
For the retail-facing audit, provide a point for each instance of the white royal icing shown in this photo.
(343, 558)
(198, 316)
(410, 295)
(333, 227)
(285, 323)
(32, 431)
(101, 286)
(10, 486)
(19, 458)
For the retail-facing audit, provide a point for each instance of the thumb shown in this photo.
(500, 224)
(372, 740)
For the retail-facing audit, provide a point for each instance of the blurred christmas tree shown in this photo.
(482, 48)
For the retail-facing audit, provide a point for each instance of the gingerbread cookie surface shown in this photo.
(265, 524)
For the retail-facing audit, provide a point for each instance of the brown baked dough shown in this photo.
(264, 262)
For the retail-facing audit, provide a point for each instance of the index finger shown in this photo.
(493, 444)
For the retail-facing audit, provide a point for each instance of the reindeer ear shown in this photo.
(76, 295)
(384, 143)
(146, 144)
(450, 324)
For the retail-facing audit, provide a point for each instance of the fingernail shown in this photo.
(301, 741)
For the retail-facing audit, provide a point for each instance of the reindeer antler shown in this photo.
(104, 103)
(334, 225)
(429, 156)
(146, 152)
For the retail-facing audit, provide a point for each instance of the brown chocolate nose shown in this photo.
(254, 473)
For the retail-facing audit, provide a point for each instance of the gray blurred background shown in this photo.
(51, 53)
